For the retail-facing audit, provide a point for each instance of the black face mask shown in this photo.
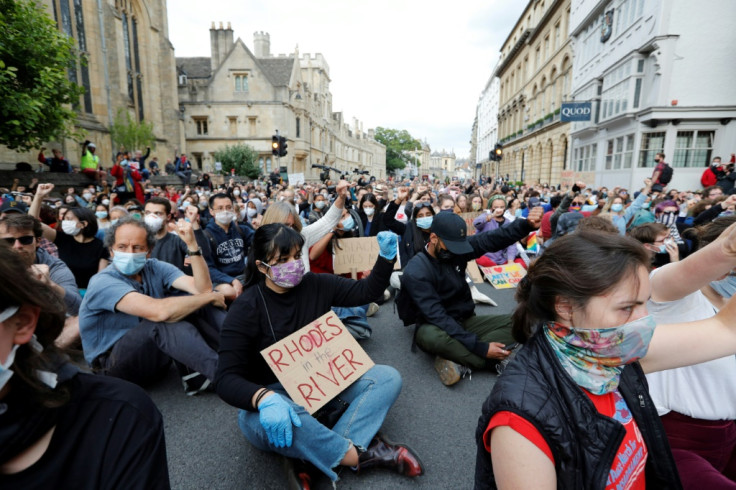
(444, 255)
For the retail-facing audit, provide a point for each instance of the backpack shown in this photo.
(666, 175)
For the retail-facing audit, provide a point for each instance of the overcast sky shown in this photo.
(413, 65)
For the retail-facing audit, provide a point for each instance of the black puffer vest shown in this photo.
(583, 442)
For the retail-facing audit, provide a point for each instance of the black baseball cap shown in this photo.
(453, 232)
(13, 207)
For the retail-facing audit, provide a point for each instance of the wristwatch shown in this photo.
(194, 252)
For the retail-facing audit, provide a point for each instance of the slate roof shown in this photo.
(198, 67)
(278, 70)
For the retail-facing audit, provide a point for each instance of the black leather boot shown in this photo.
(385, 454)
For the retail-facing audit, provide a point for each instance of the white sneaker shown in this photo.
(372, 309)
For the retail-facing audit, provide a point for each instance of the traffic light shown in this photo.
(282, 146)
(275, 145)
(498, 151)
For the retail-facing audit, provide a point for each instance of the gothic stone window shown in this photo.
(134, 75)
(69, 17)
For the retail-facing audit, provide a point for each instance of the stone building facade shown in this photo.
(486, 125)
(442, 164)
(129, 67)
(535, 77)
(657, 76)
(241, 96)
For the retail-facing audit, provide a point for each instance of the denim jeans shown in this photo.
(369, 399)
(355, 320)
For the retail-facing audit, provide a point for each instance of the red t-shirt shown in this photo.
(627, 472)
(546, 226)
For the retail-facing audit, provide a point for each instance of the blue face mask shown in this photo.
(617, 208)
(348, 223)
(662, 249)
(589, 208)
(129, 263)
(101, 214)
(425, 223)
(725, 287)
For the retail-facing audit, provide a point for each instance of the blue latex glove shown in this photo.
(389, 245)
(277, 415)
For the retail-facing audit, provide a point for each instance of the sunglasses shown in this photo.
(421, 205)
(24, 240)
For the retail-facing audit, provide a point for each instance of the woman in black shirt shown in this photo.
(279, 299)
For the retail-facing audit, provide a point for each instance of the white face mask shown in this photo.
(252, 212)
(236, 192)
(369, 211)
(154, 222)
(224, 217)
(106, 202)
(69, 226)
(87, 196)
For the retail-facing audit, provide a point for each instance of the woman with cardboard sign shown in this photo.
(280, 298)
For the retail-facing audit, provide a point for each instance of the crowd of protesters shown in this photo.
(137, 276)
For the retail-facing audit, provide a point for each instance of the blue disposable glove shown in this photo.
(389, 245)
(277, 415)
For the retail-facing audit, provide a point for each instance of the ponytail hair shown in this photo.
(576, 267)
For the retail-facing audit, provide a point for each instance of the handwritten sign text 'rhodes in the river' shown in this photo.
(317, 362)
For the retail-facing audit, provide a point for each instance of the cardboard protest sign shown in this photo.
(474, 272)
(357, 254)
(504, 276)
(469, 217)
(317, 362)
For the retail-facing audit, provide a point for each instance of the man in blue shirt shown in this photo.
(132, 326)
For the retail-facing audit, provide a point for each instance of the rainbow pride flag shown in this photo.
(532, 245)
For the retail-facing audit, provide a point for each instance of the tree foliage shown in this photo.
(240, 157)
(396, 142)
(131, 134)
(36, 96)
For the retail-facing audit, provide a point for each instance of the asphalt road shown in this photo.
(206, 450)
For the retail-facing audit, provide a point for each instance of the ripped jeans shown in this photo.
(369, 399)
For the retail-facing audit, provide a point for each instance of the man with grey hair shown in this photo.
(139, 313)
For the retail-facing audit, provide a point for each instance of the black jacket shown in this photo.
(377, 225)
(440, 292)
(583, 442)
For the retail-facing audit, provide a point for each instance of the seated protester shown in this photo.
(319, 207)
(435, 281)
(153, 165)
(102, 214)
(62, 428)
(253, 209)
(22, 233)
(596, 223)
(666, 212)
(491, 220)
(573, 404)
(546, 227)
(656, 238)
(169, 247)
(476, 203)
(116, 214)
(285, 213)
(644, 215)
(132, 327)
(461, 204)
(320, 262)
(446, 202)
(229, 244)
(621, 216)
(535, 200)
(715, 210)
(84, 254)
(371, 217)
(697, 403)
(57, 163)
(279, 299)
(513, 209)
(415, 233)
